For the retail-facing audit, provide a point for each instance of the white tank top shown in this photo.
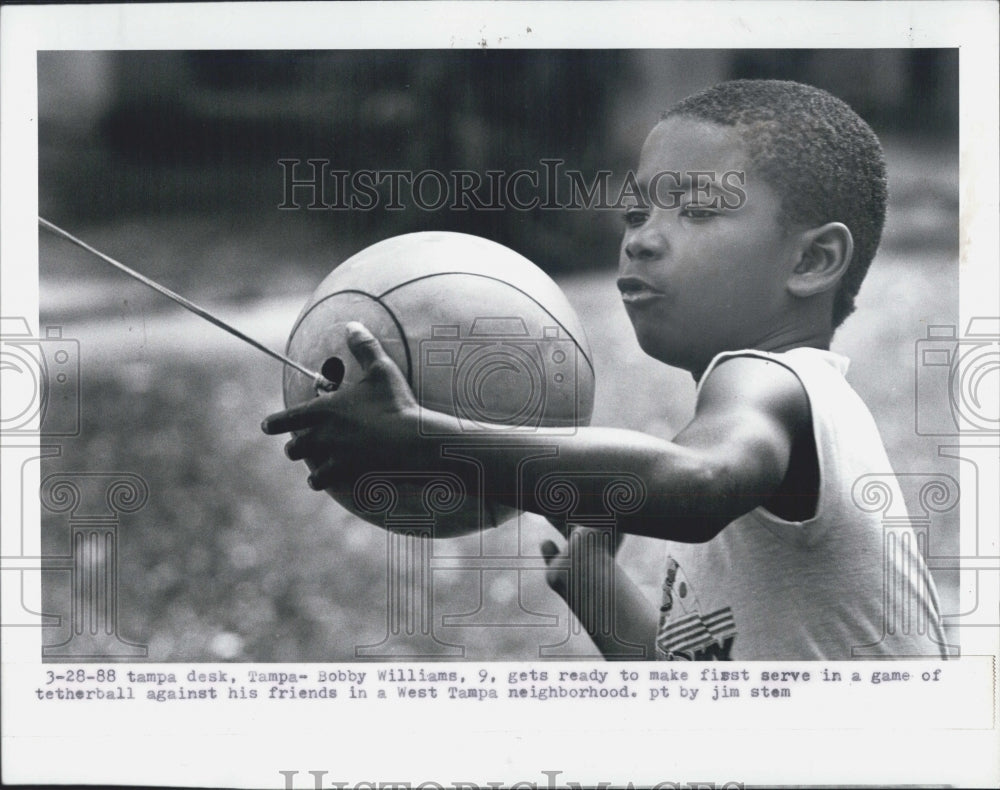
(842, 585)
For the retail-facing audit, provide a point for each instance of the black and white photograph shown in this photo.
(483, 376)
(243, 180)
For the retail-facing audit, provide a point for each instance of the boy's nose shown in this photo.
(645, 245)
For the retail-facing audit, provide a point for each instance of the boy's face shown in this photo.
(704, 270)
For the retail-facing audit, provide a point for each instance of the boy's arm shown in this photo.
(609, 605)
(731, 457)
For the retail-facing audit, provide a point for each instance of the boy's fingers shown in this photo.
(549, 551)
(323, 476)
(364, 345)
(296, 418)
(300, 447)
(556, 570)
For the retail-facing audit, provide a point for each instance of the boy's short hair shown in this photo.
(824, 160)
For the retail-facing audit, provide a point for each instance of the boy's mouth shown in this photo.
(635, 291)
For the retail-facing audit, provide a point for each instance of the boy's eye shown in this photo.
(699, 211)
(634, 217)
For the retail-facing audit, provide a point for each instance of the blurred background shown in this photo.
(169, 161)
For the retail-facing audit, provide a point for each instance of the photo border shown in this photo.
(882, 739)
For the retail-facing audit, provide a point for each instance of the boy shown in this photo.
(761, 206)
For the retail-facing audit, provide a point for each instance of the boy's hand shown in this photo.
(611, 609)
(589, 559)
(359, 427)
(556, 570)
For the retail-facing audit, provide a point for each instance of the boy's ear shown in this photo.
(825, 253)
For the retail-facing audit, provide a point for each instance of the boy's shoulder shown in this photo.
(749, 405)
(754, 380)
(753, 424)
(768, 396)
(767, 375)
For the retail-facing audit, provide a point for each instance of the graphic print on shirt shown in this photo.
(684, 633)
